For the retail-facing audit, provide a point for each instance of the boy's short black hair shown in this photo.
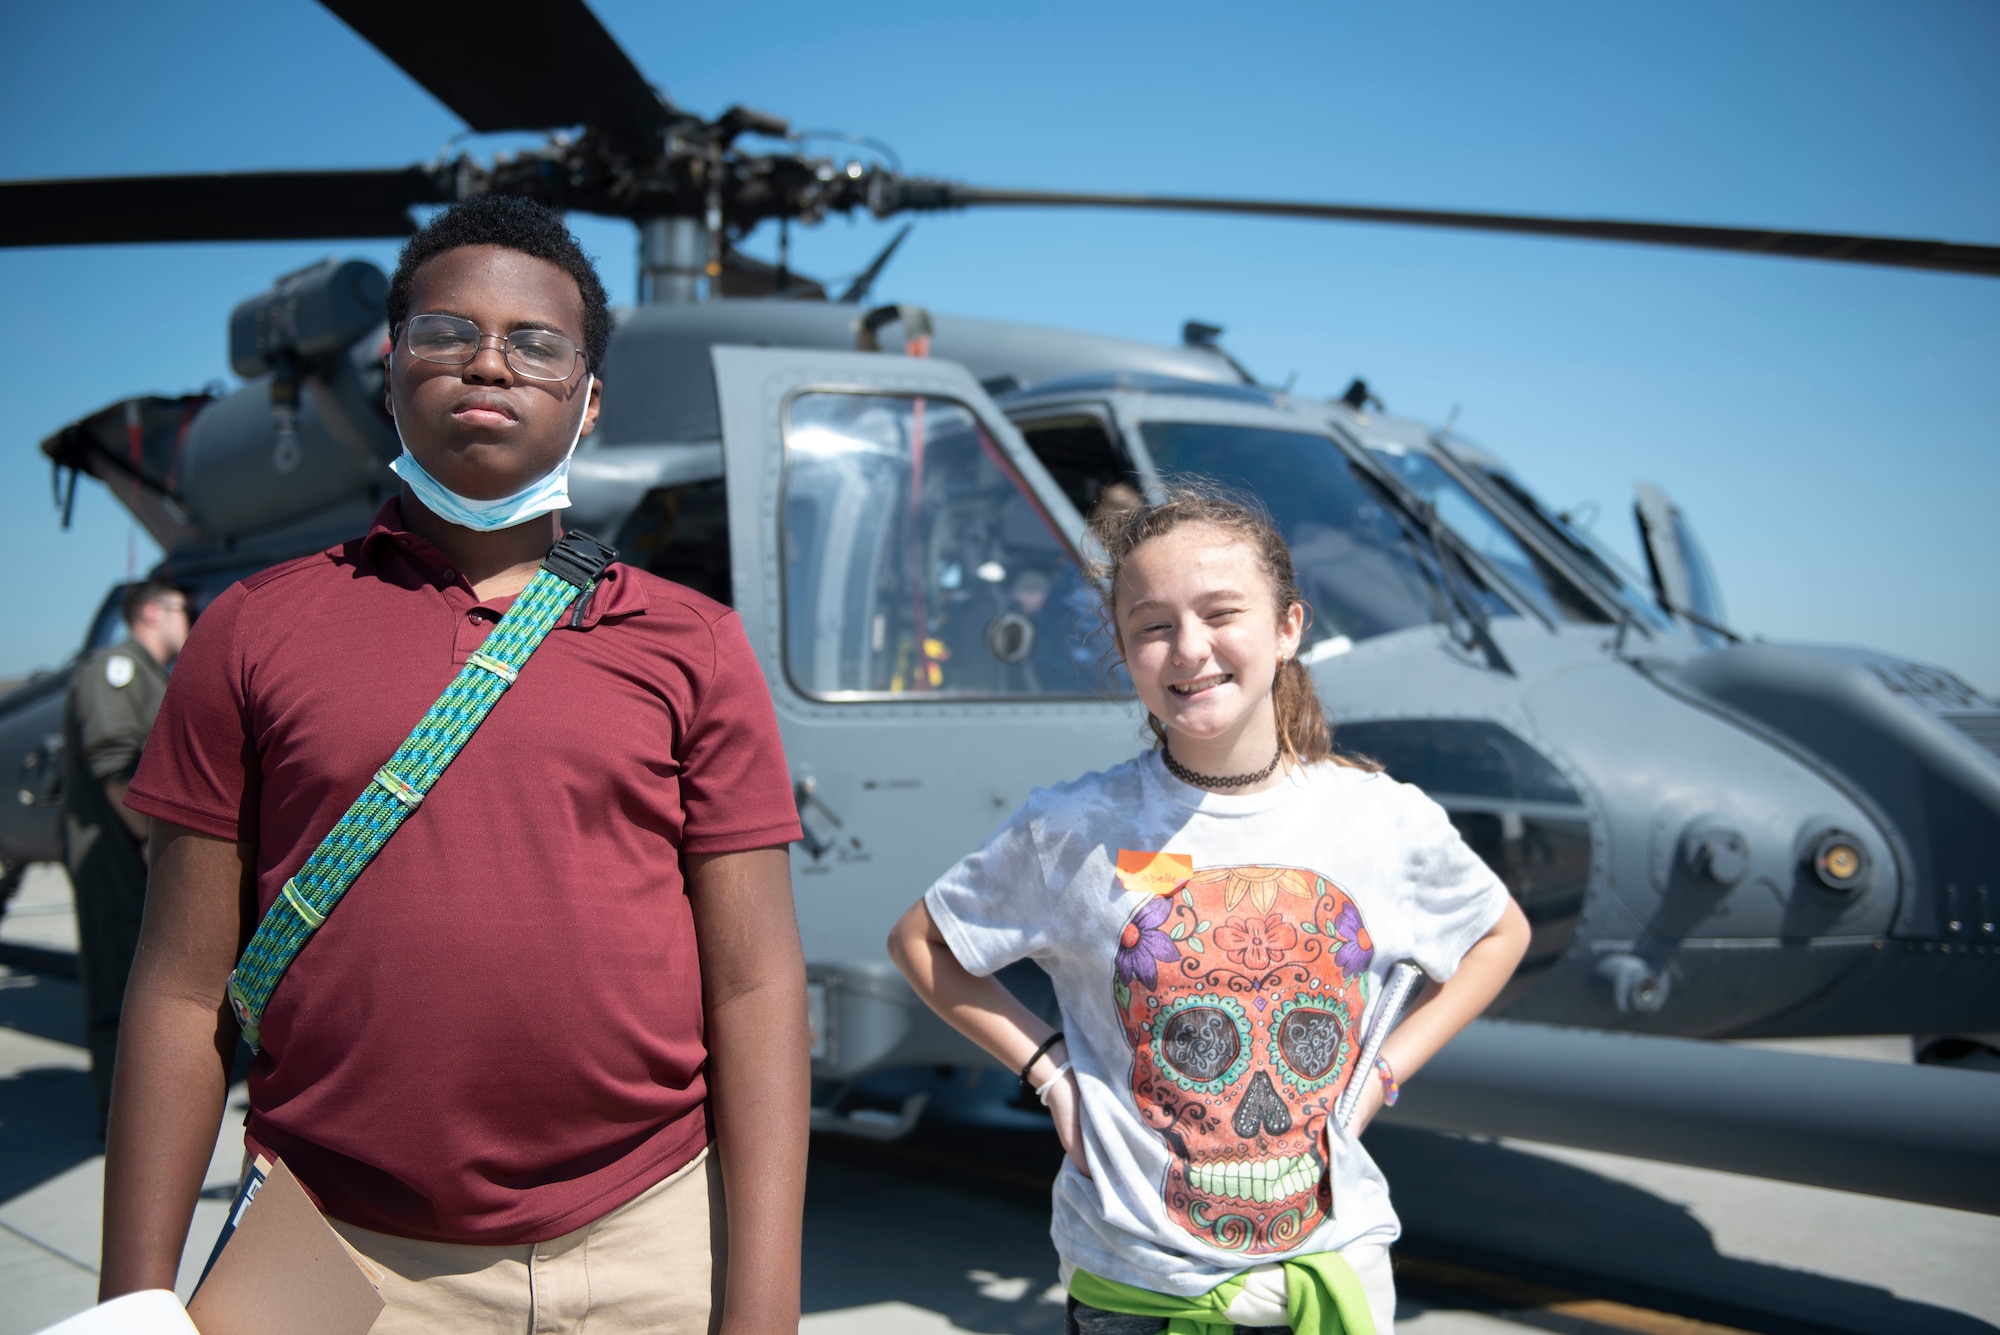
(518, 224)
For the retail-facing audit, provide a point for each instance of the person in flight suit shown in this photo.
(113, 697)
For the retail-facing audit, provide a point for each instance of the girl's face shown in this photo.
(1200, 632)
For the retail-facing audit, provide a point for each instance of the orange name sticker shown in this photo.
(1155, 873)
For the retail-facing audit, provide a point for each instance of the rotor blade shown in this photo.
(513, 65)
(224, 206)
(1896, 252)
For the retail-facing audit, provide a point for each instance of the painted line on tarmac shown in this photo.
(56, 1252)
(1530, 1303)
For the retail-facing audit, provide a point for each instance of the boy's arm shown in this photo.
(753, 981)
(175, 1043)
(1436, 1019)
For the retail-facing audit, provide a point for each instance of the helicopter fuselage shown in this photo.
(902, 538)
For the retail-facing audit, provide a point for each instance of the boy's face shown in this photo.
(481, 429)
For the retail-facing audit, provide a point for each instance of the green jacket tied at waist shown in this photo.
(1323, 1296)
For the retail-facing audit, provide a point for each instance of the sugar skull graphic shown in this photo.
(1241, 992)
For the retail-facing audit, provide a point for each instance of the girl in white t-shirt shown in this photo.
(1217, 915)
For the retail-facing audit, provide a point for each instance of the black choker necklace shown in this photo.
(1188, 776)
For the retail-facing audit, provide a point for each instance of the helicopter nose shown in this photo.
(1702, 850)
(1920, 743)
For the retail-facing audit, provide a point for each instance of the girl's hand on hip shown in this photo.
(1066, 1106)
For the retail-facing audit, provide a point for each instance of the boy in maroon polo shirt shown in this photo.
(501, 1064)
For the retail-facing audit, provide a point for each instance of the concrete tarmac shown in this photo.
(948, 1231)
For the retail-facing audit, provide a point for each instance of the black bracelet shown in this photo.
(1040, 1052)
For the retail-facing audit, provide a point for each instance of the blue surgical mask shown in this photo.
(546, 493)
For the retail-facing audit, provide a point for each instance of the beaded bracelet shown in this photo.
(1390, 1089)
(1042, 1091)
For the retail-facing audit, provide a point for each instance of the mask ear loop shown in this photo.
(589, 380)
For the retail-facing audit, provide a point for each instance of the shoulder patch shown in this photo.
(118, 670)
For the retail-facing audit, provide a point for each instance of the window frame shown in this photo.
(1092, 413)
(996, 450)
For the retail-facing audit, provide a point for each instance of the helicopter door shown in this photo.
(907, 573)
(1683, 580)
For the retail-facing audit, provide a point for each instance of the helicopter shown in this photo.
(895, 502)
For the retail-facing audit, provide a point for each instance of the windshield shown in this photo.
(1362, 571)
(1487, 534)
(1597, 562)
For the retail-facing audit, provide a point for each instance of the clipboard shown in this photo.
(279, 1266)
(1404, 978)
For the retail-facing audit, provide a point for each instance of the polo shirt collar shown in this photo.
(617, 593)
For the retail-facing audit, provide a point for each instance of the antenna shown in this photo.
(864, 283)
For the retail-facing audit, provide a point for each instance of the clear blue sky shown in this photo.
(1834, 433)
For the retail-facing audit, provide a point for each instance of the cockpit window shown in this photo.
(1487, 534)
(1361, 570)
(917, 565)
(1080, 455)
(1597, 562)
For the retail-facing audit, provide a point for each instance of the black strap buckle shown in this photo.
(578, 559)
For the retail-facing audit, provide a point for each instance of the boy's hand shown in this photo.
(1066, 1106)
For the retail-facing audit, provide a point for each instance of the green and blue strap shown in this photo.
(306, 899)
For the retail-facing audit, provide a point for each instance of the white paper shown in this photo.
(147, 1312)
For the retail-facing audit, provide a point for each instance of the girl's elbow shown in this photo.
(1513, 928)
(908, 933)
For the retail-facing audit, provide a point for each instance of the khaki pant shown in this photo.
(653, 1264)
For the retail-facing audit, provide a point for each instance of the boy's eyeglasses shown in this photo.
(534, 354)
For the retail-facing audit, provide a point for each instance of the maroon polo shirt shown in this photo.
(497, 1035)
